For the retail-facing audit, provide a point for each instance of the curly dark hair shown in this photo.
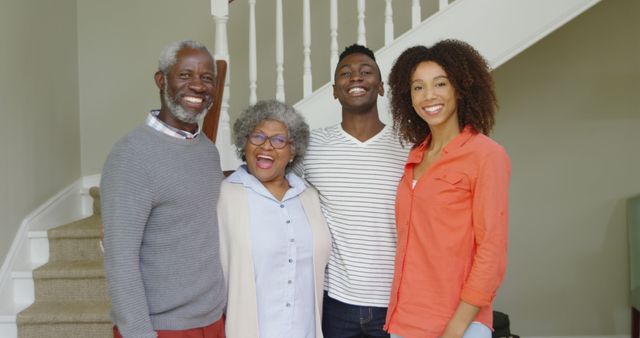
(467, 71)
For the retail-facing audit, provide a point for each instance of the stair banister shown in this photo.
(388, 23)
(362, 31)
(220, 13)
(333, 33)
(415, 13)
(306, 43)
(253, 62)
(279, 52)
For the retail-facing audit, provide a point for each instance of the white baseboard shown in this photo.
(8, 329)
(65, 206)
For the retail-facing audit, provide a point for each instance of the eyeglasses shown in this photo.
(277, 141)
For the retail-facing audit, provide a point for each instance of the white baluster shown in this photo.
(279, 53)
(306, 42)
(333, 26)
(388, 23)
(415, 13)
(253, 67)
(362, 36)
(220, 13)
(443, 4)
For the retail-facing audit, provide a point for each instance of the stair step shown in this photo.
(74, 249)
(65, 319)
(70, 270)
(76, 241)
(88, 227)
(68, 281)
(65, 312)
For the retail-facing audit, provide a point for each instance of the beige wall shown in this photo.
(39, 133)
(570, 120)
(119, 43)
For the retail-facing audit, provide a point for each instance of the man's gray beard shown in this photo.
(177, 110)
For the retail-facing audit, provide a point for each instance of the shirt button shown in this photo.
(292, 240)
(290, 260)
(288, 221)
(288, 305)
(289, 282)
(281, 205)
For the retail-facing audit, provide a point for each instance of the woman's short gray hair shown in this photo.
(277, 111)
(169, 54)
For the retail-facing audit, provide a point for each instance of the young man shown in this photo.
(159, 190)
(356, 166)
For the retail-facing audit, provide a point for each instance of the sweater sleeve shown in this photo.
(490, 223)
(126, 194)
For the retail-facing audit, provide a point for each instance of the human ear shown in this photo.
(159, 79)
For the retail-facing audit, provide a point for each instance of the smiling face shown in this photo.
(265, 162)
(433, 97)
(187, 89)
(357, 83)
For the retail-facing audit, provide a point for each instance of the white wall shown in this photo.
(39, 133)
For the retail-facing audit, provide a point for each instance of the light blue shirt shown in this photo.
(282, 251)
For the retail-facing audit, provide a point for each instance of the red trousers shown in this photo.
(215, 330)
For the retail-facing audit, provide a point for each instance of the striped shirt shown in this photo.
(154, 122)
(357, 183)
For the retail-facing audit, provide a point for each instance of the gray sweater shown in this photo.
(159, 196)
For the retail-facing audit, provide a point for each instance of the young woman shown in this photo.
(452, 202)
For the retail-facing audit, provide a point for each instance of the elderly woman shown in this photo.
(452, 202)
(273, 238)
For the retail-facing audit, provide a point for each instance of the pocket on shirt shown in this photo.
(452, 187)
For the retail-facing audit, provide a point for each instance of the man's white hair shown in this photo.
(169, 54)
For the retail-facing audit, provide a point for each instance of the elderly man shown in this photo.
(160, 187)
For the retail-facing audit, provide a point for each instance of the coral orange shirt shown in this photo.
(452, 235)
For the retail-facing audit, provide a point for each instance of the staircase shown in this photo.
(498, 29)
(70, 290)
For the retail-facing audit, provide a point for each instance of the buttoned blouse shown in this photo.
(282, 250)
(452, 235)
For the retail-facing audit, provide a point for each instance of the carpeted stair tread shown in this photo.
(89, 227)
(70, 270)
(70, 291)
(65, 312)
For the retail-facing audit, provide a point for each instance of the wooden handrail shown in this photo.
(212, 119)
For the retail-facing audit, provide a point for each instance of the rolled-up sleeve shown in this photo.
(490, 225)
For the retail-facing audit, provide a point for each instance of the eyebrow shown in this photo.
(435, 78)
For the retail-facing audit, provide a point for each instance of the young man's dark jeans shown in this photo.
(340, 320)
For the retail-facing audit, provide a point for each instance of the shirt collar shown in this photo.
(154, 122)
(242, 176)
(457, 142)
